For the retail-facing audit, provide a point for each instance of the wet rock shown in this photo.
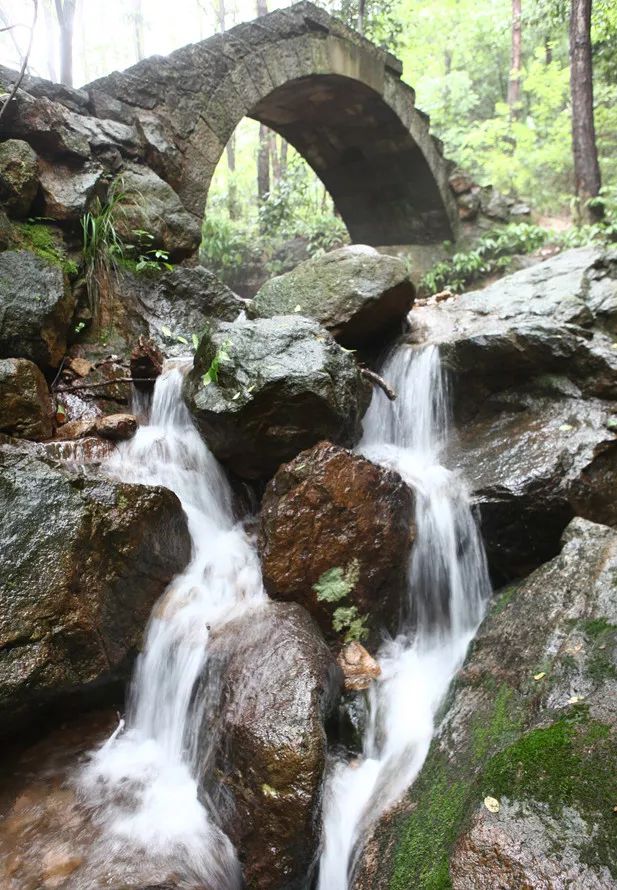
(67, 192)
(169, 308)
(277, 682)
(48, 126)
(146, 364)
(530, 730)
(282, 384)
(117, 426)
(103, 390)
(36, 307)
(468, 205)
(19, 179)
(533, 459)
(88, 558)
(77, 429)
(358, 294)
(151, 205)
(331, 514)
(25, 403)
(358, 666)
(460, 182)
(495, 205)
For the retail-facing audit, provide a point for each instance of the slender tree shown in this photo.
(514, 81)
(137, 20)
(263, 152)
(65, 12)
(586, 167)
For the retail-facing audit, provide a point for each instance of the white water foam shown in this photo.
(142, 784)
(448, 587)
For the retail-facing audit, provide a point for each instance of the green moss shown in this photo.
(504, 597)
(39, 239)
(502, 727)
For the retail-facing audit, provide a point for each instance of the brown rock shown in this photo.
(330, 509)
(25, 403)
(80, 366)
(358, 666)
(460, 182)
(76, 429)
(117, 426)
(277, 682)
(146, 363)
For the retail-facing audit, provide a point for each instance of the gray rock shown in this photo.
(277, 682)
(532, 723)
(283, 385)
(176, 304)
(67, 192)
(533, 461)
(19, 179)
(152, 206)
(25, 403)
(356, 293)
(36, 308)
(83, 560)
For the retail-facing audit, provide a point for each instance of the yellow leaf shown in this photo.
(540, 675)
(575, 699)
(491, 804)
(565, 427)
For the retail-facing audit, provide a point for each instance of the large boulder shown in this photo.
(82, 562)
(19, 179)
(533, 461)
(151, 205)
(357, 293)
(169, 308)
(533, 374)
(36, 308)
(25, 403)
(262, 391)
(272, 683)
(67, 192)
(331, 514)
(520, 783)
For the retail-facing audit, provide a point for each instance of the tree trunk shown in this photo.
(514, 83)
(274, 157)
(586, 167)
(361, 15)
(232, 191)
(283, 157)
(65, 11)
(138, 29)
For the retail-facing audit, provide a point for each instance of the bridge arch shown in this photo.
(330, 93)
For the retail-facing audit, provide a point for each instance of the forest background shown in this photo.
(494, 76)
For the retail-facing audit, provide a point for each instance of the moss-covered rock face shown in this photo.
(520, 784)
(262, 391)
(25, 403)
(82, 561)
(356, 293)
(36, 308)
(273, 683)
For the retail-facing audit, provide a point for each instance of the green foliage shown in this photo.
(492, 253)
(335, 585)
(36, 236)
(222, 354)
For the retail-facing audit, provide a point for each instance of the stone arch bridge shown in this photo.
(329, 92)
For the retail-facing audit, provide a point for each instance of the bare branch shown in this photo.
(376, 380)
(24, 64)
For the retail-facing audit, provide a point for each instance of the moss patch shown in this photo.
(39, 239)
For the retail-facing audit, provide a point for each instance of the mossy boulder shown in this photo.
(336, 532)
(82, 562)
(358, 294)
(520, 783)
(19, 178)
(36, 308)
(273, 683)
(262, 391)
(25, 403)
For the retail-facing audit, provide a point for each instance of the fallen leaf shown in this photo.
(540, 675)
(491, 804)
(566, 427)
(575, 699)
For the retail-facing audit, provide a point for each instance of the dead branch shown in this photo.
(24, 64)
(376, 380)
(84, 384)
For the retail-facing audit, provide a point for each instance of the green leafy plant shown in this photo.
(335, 585)
(222, 354)
(102, 246)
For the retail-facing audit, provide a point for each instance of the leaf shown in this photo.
(165, 331)
(540, 675)
(182, 340)
(492, 804)
(334, 584)
(566, 427)
(195, 341)
(575, 699)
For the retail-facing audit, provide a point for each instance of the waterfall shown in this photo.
(142, 784)
(448, 587)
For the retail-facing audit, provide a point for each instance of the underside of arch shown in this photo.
(376, 173)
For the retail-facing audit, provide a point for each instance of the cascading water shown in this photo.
(142, 784)
(448, 587)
